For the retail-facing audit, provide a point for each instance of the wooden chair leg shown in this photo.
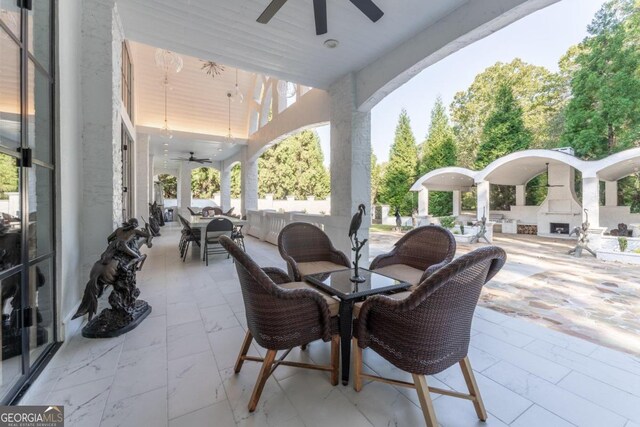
(474, 391)
(357, 365)
(243, 351)
(265, 371)
(425, 400)
(335, 359)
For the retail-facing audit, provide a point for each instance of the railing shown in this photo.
(266, 225)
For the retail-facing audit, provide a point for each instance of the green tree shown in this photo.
(169, 186)
(504, 131)
(400, 172)
(8, 176)
(438, 151)
(541, 94)
(603, 115)
(377, 171)
(294, 167)
(205, 182)
(236, 181)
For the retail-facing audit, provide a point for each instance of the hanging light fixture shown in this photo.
(166, 132)
(168, 62)
(229, 138)
(239, 94)
(287, 89)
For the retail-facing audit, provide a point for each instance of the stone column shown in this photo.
(521, 199)
(249, 182)
(611, 193)
(350, 164)
(591, 200)
(142, 181)
(151, 175)
(457, 203)
(484, 199)
(423, 202)
(184, 187)
(225, 186)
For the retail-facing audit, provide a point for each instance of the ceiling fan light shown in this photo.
(331, 43)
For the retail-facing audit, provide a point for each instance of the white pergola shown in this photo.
(561, 204)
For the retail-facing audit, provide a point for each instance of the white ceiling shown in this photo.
(287, 47)
(180, 146)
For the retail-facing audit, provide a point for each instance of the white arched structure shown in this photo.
(561, 209)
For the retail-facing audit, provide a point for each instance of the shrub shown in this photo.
(623, 243)
(447, 221)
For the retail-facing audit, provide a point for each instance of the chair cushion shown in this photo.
(400, 295)
(402, 272)
(315, 267)
(333, 303)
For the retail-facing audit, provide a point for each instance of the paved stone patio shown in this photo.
(585, 297)
(176, 368)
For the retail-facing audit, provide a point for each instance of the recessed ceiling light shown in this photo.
(331, 43)
(166, 144)
(219, 149)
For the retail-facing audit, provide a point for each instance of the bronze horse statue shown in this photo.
(117, 267)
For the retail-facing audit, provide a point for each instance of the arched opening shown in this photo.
(169, 188)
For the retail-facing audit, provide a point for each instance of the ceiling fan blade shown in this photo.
(270, 11)
(320, 14)
(369, 8)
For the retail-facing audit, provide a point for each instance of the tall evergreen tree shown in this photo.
(603, 115)
(236, 181)
(400, 172)
(438, 151)
(504, 131)
(377, 171)
(294, 167)
(205, 182)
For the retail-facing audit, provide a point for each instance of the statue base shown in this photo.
(358, 279)
(110, 323)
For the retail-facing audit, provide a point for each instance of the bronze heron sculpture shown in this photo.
(356, 245)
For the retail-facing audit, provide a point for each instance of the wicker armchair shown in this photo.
(281, 315)
(417, 255)
(308, 250)
(429, 329)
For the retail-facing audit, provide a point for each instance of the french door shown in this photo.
(27, 203)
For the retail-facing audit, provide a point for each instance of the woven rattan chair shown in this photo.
(429, 329)
(281, 315)
(417, 255)
(308, 250)
(192, 212)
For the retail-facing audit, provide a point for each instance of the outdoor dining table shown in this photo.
(200, 222)
(338, 284)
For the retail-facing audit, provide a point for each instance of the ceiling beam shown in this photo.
(191, 135)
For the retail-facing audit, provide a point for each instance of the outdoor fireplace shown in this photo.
(559, 228)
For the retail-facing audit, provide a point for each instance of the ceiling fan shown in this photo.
(548, 185)
(367, 7)
(193, 159)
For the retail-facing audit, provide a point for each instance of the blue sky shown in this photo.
(540, 38)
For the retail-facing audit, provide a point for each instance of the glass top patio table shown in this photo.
(338, 283)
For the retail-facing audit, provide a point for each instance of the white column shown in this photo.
(142, 181)
(151, 182)
(484, 199)
(184, 187)
(249, 182)
(350, 164)
(520, 195)
(611, 193)
(423, 202)
(591, 200)
(225, 186)
(457, 203)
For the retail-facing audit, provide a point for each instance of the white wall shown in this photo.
(611, 216)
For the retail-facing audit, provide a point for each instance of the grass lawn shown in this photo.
(382, 227)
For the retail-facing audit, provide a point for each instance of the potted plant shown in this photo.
(623, 243)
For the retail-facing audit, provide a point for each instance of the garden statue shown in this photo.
(482, 230)
(398, 220)
(117, 267)
(622, 230)
(583, 238)
(154, 223)
(357, 245)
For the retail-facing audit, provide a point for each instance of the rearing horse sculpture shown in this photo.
(117, 267)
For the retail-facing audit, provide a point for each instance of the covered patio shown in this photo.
(177, 367)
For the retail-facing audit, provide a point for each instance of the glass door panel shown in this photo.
(40, 211)
(41, 316)
(11, 222)
(39, 114)
(11, 335)
(10, 16)
(39, 27)
(9, 91)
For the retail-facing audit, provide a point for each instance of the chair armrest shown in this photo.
(433, 268)
(338, 257)
(383, 260)
(278, 276)
(311, 296)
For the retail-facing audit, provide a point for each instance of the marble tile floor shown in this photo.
(175, 369)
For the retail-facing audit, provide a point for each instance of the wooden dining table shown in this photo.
(201, 222)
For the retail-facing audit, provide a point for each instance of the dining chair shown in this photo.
(417, 255)
(229, 212)
(215, 229)
(308, 250)
(281, 315)
(189, 235)
(428, 330)
(238, 237)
